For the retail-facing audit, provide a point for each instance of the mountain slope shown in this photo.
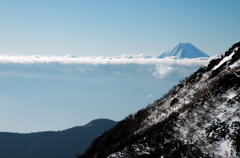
(61, 144)
(182, 50)
(199, 117)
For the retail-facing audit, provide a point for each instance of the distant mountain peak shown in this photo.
(183, 50)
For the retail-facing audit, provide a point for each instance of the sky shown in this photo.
(43, 87)
(109, 28)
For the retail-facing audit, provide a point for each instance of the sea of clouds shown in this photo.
(70, 64)
(46, 92)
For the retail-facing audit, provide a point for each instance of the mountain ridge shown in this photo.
(49, 144)
(199, 117)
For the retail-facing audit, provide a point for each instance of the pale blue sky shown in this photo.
(52, 95)
(111, 27)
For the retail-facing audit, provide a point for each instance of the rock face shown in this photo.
(199, 117)
(183, 50)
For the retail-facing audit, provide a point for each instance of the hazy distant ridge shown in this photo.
(49, 144)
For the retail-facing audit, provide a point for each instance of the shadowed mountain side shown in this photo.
(60, 144)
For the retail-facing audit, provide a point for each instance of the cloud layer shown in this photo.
(162, 70)
(121, 59)
(40, 91)
(78, 66)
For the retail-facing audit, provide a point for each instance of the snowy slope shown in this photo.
(183, 50)
(208, 110)
(199, 117)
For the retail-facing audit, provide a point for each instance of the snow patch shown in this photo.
(227, 58)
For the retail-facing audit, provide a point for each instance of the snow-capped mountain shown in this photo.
(182, 50)
(199, 117)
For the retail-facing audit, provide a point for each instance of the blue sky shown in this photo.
(43, 89)
(109, 28)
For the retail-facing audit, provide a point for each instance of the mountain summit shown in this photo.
(183, 50)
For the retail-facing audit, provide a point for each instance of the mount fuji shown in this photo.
(183, 50)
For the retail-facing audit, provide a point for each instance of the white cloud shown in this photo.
(117, 73)
(150, 96)
(124, 59)
(70, 65)
(162, 70)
